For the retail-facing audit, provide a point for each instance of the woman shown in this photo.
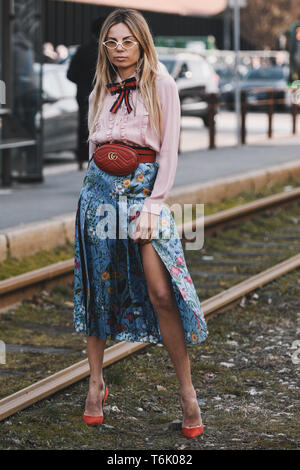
(134, 288)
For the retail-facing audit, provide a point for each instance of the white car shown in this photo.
(195, 77)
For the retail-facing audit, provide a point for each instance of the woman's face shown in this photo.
(123, 59)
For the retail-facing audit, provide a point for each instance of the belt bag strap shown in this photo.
(146, 155)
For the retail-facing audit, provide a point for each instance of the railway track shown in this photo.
(203, 267)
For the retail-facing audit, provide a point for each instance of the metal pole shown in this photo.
(237, 62)
(226, 38)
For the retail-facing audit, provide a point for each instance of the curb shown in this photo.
(231, 186)
(31, 238)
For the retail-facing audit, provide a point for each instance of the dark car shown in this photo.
(226, 79)
(267, 77)
(194, 77)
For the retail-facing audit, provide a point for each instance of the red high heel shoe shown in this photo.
(191, 431)
(94, 420)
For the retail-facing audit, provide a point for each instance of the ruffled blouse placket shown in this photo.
(123, 121)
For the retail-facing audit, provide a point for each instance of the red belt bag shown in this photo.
(121, 159)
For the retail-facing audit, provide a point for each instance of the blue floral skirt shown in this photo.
(110, 288)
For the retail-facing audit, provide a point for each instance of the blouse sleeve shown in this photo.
(92, 146)
(167, 157)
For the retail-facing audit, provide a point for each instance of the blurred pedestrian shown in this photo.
(131, 283)
(26, 94)
(49, 54)
(62, 54)
(81, 71)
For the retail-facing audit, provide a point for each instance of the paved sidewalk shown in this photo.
(58, 194)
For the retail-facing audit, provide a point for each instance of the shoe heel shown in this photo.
(95, 420)
(103, 403)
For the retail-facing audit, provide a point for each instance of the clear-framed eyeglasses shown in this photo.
(112, 44)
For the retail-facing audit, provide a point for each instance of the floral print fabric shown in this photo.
(110, 289)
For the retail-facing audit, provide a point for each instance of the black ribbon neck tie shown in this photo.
(123, 88)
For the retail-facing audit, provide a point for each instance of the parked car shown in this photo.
(194, 77)
(226, 78)
(267, 77)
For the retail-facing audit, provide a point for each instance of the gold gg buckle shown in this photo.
(112, 156)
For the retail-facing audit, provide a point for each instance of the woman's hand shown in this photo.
(146, 228)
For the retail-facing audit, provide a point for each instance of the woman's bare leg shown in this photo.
(162, 298)
(95, 396)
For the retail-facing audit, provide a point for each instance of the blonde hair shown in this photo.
(147, 67)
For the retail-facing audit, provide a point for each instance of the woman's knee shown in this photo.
(161, 299)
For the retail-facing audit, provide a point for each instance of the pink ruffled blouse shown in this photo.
(131, 129)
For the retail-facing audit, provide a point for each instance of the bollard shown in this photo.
(243, 116)
(294, 117)
(270, 113)
(212, 99)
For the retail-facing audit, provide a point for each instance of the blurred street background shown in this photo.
(236, 64)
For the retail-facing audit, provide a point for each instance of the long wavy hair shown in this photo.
(147, 67)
